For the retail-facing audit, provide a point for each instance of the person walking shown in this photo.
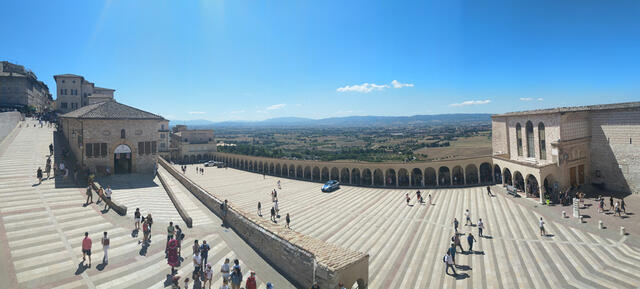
(89, 195)
(452, 252)
(197, 263)
(455, 224)
(149, 223)
(225, 208)
(601, 206)
(39, 175)
(179, 237)
(86, 248)
(275, 206)
(288, 219)
(251, 281)
(611, 203)
(470, 240)
(429, 199)
(196, 247)
(170, 233)
(542, 231)
(50, 149)
(145, 233)
(480, 227)
(467, 216)
(204, 252)
(448, 260)
(407, 198)
(279, 187)
(617, 209)
(456, 240)
(107, 197)
(136, 219)
(259, 209)
(208, 276)
(623, 206)
(225, 270)
(273, 215)
(105, 248)
(489, 191)
(47, 168)
(236, 278)
(419, 197)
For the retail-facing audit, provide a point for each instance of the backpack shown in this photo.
(106, 241)
(444, 259)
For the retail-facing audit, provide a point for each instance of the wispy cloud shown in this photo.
(237, 111)
(197, 112)
(398, 84)
(531, 99)
(276, 106)
(369, 87)
(471, 102)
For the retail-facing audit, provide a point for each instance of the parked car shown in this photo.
(210, 164)
(331, 186)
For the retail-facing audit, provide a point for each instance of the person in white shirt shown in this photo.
(107, 196)
(197, 262)
(542, 231)
(467, 215)
(480, 227)
(225, 270)
(105, 247)
(448, 260)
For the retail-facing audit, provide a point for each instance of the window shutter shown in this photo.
(141, 148)
(88, 150)
(103, 149)
(96, 150)
(153, 147)
(147, 147)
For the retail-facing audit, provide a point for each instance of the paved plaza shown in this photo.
(407, 243)
(41, 228)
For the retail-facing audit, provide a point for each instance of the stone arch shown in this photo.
(335, 174)
(403, 178)
(507, 177)
(355, 177)
(255, 166)
(324, 174)
(344, 176)
(367, 177)
(531, 187)
(457, 176)
(444, 176)
(378, 178)
(497, 174)
(417, 179)
(549, 184)
(299, 172)
(485, 173)
(390, 178)
(292, 171)
(430, 177)
(285, 170)
(260, 167)
(278, 170)
(471, 174)
(518, 180)
(193, 159)
(316, 174)
(272, 170)
(307, 173)
(185, 159)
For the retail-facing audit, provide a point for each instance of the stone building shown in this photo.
(554, 149)
(75, 92)
(20, 88)
(116, 138)
(190, 146)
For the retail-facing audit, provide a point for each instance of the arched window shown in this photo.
(519, 138)
(531, 153)
(542, 143)
(122, 133)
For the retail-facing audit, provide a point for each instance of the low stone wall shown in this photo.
(183, 213)
(120, 209)
(8, 122)
(298, 257)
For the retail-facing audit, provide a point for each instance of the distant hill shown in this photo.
(348, 121)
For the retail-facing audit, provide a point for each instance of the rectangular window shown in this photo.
(103, 150)
(141, 148)
(96, 150)
(147, 148)
(153, 147)
(89, 150)
(161, 135)
(63, 105)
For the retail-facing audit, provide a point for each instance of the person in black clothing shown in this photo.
(273, 214)
(39, 175)
(611, 203)
(51, 149)
(204, 253)
(288, 221)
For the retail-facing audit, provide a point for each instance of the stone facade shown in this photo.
(575, 148)
(20, 87)
(190, 146)
(73, 92)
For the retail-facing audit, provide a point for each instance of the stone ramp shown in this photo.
(407, 243)
(200, 215)
(41, 229)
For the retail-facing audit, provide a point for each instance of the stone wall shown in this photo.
(615, 149)
(499, 136)
(298, 257)
(8, 121)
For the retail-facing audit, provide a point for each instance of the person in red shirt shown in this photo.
(251, 281)
(86, 247)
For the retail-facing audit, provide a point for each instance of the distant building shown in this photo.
(73, 92)
(115, 137)
(20, 88)
(553, 149)
(190, 146)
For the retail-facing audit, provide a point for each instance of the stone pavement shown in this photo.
(41, 228)
(407, 243)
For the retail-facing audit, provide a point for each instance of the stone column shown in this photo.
(396, 177)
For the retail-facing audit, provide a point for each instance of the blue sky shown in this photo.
(252, 60)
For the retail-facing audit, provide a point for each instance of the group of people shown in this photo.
(87, 244)
(144, 223)
(275, 210)
(419, 198)
(617, 207)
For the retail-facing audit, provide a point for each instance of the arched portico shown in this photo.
(344, 176)
(430, 177)
(532, 188)
(518, 181)
(307, 173)
(316, 174)
(299, 172)
(367, 177)
(458, 176)
(416, 178)
(325, 174)
(444, 176)
(507, 177)
(335, 173)
(378, 178)
(285, 170)
(485, 174)
(471, 174)
(355, 177)
(403, 178)
(292, 171)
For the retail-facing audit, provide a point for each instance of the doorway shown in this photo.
(122, 159)
(572, 177)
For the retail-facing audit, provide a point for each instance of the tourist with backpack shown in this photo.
(448, 261)
(172, 255)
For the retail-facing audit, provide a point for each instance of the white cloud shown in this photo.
(237, 111)
(471, 102)
(197, 112)
(365, 87)
(531, 99)
(369, 87)
(276, 106)
(398, 84)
